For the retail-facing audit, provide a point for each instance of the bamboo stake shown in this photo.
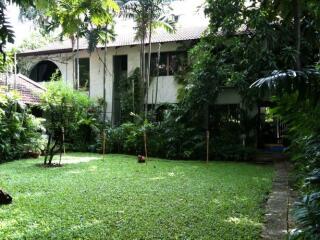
(208, 140)
(103, 143)
(145, 145)
(62, 148)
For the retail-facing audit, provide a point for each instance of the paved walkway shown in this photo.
(277, 213)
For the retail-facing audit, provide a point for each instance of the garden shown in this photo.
(73, 173)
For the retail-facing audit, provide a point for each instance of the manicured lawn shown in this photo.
(117, 198)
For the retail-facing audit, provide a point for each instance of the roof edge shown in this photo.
(31, 81)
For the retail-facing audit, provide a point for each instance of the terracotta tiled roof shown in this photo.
(29, 90)
(124, 38)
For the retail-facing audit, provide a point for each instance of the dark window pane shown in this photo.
(154, 62)
(153, 65)
(84, 72)
(163, 64)
(169, 63)
(175, 61)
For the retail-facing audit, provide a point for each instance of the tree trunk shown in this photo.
(52, 153)
(297, 26)
(61, 144)
(143, 77)
(78, 65)
(73, 63)
(208, 145)
(157, 81)
(148, 70)
(47, 149)
(133, 97)
(104, 82)
(145, 144)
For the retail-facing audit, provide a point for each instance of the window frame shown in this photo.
(83, 88)
(168, 61)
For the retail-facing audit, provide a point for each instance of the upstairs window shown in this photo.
(84, 73)
(168, 63)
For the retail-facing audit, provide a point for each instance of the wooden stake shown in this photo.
(208, 140)
(62, 148)
(63, 139)
(145, 145)
(103, 143)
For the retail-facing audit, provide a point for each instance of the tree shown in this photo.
(101, 30)
(63, 109)
(138, 11)
(147, 15)
(6, 33)
(246, 41)
(77, 18)
(159, 16)
(291, 49)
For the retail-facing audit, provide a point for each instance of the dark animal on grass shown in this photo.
(141, 159)
(5, 198)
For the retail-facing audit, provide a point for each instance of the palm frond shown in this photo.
(305, 82)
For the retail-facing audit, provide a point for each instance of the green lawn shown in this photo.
(117, 198)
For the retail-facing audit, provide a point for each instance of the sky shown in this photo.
(187, 9)
(22, 29)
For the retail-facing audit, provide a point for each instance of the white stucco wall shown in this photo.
(167, 86)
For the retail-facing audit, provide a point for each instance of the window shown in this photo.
(84, 72)
(168, 63)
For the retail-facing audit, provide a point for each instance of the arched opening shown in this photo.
(43, 71)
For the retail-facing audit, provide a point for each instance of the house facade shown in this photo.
(123, 57)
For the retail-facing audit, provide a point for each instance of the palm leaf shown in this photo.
(306, 83)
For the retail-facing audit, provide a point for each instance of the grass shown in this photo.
(117, 198)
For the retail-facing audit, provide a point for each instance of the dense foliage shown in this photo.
(169, 138)
(66, 119)
(302, 119)
(129, 92)
(248, 40)
(20, 132)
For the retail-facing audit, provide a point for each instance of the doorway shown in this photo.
(120, 72)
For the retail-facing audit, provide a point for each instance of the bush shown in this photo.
(20, 132)
(302, 119)
(67, 119)
(307, 210)
(174, 138)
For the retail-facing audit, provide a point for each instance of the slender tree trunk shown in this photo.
(47, 149)
(133, 97)
(297, 26)
(143, 77)
(145, 145)
(61, 144)
(149, 69)
(73, 63)
(206, 127)
(104, 83)
(52, 153)
(140, 83)
(78, 65)
(157, 81)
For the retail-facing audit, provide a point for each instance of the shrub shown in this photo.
(67, 118)
(307, 210)
(20, 132)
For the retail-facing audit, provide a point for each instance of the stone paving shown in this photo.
(277, 208)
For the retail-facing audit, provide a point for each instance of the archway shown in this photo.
(43, 71)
